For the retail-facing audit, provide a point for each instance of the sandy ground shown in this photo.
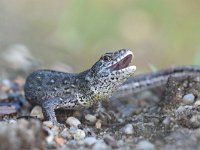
(166, 117)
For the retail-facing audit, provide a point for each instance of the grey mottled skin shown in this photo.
(52, 89)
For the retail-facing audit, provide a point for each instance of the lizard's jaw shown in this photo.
(123, 63)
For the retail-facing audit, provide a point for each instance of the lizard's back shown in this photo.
(42, 85)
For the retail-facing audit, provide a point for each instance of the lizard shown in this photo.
(110, 77)
(53, 89)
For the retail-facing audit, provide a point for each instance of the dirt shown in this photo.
(157, 119)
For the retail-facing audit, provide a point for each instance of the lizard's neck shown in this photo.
(143, 82)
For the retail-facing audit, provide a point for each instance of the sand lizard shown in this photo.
(52, 89)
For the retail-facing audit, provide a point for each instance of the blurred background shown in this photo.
(73, 34)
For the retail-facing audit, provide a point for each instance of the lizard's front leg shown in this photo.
(48, 108)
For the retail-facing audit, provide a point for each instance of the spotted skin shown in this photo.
(52, 89)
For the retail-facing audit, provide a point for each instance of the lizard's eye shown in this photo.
(106, 58)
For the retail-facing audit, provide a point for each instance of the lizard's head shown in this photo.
(114, 65)
(110, 71)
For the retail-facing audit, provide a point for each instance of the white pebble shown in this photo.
(89, 141)
(188, 99)
(145, 145)
(197, 103)
(73, 122)
(128, 129)
(91, 118)
(77, 134)
(37, 112)
(12, 121)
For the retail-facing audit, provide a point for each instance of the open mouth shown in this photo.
(123, 63)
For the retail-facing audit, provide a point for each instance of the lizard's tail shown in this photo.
(146, 81)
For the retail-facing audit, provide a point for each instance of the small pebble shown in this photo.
(6, 110)
(59, 140)
(55, 130)
(197, 133)
(188, 99)
(12, 121)
(23, 123)
(197, 103)
(98, 124)
(50, 136)
(72, 143)
(48, 124)
(77, 134)
(6, 85)
(91, 118)
(195, 121)
(73, 122)
(3, 95)
(180, 109)
(145, 145)
(37, 112)
(166, 121)
(100, 145)
(89, 141)
(109, 140)
(65, 134)
(128, 129)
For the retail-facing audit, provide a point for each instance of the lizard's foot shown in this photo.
(105, 117)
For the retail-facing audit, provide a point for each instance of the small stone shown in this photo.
(197, 103)
(145, 145)
(72, 143)
(48, 124)
(12, 121)
(195, 121)
(89, 141)
(55, 130)
(100, 146)
(98, 124)
(23, 123)
(91, 118)
(73, 122)
(37, 112)
(197, 133)
(188, 99)
(109, 140)
(18, 57)
(6, 85)
(65, 134)
(181, 109)
(166, 121)
(3, 95)
(49, 135)
(77, 134)
(128, 129)
(59, 140)
(6, 110)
